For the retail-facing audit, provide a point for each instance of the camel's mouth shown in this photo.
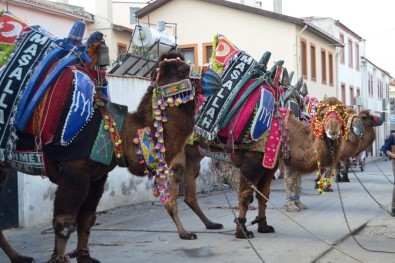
(377, 121)
(332, 135)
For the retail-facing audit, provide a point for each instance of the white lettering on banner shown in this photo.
(216, 155)
(86, 104)
(266, 115)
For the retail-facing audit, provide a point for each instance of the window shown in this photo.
(189, 52)
(352, 95)
(342, 56)
(207, 52)
(323, 65)
(133, 17)
(370, 84)
(303, 50)
(343, 88)
(350, 53)
(358, 92)
(121, 49)
(357, 58)
(313, 62)
(331, 77)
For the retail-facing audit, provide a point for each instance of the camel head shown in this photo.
(370, 120)
(329, 119)
(354, 123)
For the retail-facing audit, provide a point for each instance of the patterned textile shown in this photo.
(103, 150)
(81, 108)
(11, 27)
(32, 46)
(264, 115)
(224, 51)
(274, 140)
(236, 125)
(46, 116)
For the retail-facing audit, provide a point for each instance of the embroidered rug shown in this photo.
(81, 108)
(31, 47)
(45, 118)
(273, 141)
(103, 150)
(234, 129)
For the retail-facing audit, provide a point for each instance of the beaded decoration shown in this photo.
(322, 182)
(152, 154)
(111, 126)
(318, 125)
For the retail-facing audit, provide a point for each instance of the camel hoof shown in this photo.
(188, 236)
(346, 180)
(266, 229)
(248, 234)
(214, 226)
(290, 207)
(300, 205)
(59, 259)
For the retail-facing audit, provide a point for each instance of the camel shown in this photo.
(81, 181)
(307, 144)
(361, 135)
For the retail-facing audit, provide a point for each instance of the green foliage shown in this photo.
(5, 52)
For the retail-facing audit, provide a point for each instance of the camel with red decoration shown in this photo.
(360, 135)
(162, 123)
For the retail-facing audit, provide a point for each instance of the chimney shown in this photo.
(278, 6)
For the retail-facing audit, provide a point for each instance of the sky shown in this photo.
(373, 20)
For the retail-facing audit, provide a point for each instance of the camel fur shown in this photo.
(303, 144)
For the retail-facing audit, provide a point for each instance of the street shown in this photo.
(321, 233)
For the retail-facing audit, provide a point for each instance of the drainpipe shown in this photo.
(296, 51)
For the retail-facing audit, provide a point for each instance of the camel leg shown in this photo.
(290, 184)
(192, 169)
(171, 205)
(186, 168)
(297, 187)
(245, 197)
(264, 186)
(14, 256)
(86, 219)
(72, 190)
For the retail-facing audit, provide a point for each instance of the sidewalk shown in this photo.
(146, 233)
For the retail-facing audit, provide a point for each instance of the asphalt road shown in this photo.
(350, 224)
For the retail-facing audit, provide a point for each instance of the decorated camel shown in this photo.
(361, 134)
(301, 144)
(144, 141)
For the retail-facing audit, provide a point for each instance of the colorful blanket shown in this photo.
(212, 111)
(103, 149)
(31, 47)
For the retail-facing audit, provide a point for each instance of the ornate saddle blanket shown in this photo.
(215, 108)
(31, 47)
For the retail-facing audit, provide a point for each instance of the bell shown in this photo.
(103, 55)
